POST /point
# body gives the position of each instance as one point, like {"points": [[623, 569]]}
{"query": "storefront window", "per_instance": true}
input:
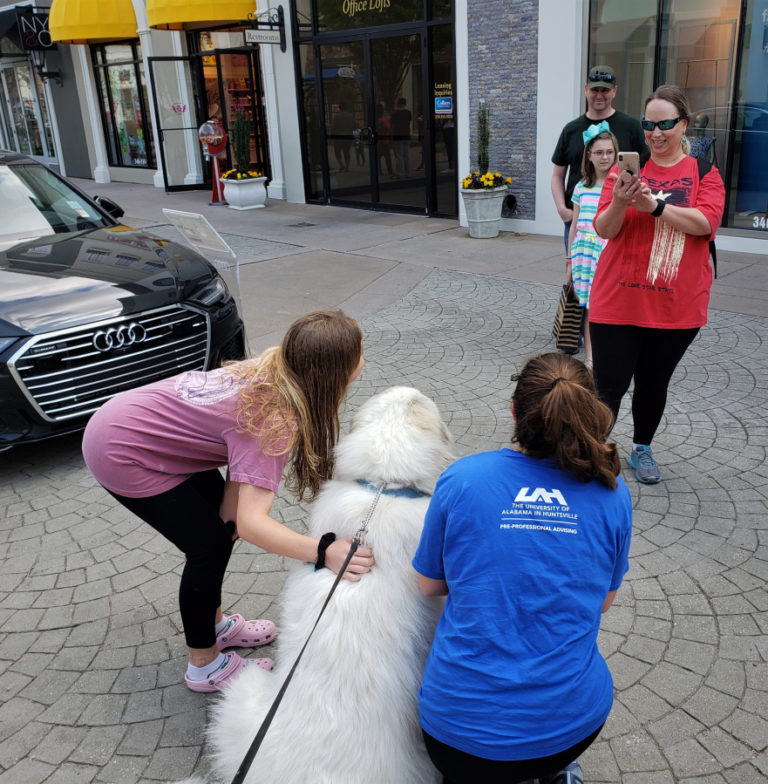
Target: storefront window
{"points": [[698, 50], [25, 115], [123, 98], [441, 9], [623, 35], [749, 197]]}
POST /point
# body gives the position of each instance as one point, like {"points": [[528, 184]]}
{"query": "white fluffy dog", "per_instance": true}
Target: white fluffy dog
{"points": [[349, 716]]}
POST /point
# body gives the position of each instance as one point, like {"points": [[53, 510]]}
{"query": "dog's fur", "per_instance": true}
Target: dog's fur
{"points": [[349, 716]]}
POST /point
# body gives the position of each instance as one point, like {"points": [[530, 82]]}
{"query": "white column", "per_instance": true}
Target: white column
{"points": [[101, 172], [194, 175], [277, 184], [277, 187], [145, 38]]}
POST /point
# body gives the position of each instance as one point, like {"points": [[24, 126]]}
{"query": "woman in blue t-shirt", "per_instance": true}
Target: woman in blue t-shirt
{"points": [[530, 547]]}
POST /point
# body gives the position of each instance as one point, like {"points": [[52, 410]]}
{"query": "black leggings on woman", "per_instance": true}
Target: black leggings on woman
{"points": [[458, 767], [188, 516], [622, 352]]}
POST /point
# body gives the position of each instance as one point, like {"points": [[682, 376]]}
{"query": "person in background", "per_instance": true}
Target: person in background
{"points": [[401, 133], [342, 130], [530, 547], [600, 150], [383, 140], [651, 289], [158, 449], [600, 92]]}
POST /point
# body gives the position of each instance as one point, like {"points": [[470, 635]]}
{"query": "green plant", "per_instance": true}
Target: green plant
{"points": [[483, 135], [483, 178], [241, 142]]}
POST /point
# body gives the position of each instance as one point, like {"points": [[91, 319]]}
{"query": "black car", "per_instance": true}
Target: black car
{"points": [[90, 307]]}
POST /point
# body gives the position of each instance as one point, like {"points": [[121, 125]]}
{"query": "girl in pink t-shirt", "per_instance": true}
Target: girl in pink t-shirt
{"points": [[158, 449]]}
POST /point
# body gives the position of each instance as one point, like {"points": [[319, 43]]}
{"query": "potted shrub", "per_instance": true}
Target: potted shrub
{"points": [[483, 194], [244, 188]]}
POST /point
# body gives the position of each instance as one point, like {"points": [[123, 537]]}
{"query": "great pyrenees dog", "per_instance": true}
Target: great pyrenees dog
{"points": [[349, 716]]}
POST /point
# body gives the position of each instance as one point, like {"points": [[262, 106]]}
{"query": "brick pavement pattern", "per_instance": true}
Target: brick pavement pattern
{"points": [[91, 654]]}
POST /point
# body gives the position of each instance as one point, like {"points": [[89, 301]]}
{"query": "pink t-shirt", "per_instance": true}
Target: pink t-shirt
{"points": [[149, 440]]}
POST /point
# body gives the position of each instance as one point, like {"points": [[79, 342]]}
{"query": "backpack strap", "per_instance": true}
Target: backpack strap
{"points": [[705, 167]]}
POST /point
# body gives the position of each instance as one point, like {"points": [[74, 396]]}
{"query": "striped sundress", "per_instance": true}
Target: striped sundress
{"points": [[587, 246]]}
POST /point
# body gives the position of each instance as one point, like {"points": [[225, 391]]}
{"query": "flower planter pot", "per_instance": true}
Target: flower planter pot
{"points": [[483, 207], [247, 194]]}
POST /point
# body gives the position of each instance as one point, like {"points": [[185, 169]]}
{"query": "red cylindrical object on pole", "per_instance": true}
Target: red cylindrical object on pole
{"points": [[217, 196]]}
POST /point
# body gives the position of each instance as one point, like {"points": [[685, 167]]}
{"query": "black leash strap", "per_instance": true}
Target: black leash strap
{"points": [[358, 539], [245, 765]]}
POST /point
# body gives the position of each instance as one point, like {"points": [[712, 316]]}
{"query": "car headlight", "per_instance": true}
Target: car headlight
{"points": [[215, 291]]}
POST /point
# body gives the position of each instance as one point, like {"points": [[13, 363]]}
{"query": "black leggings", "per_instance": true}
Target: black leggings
{"points": [[458, 767], [622, 352], [188, 516]]}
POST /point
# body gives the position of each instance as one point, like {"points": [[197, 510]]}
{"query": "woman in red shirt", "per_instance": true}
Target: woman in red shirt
{"points": [[650, 294]]}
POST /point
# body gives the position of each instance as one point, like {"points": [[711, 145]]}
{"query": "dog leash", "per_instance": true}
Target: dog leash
{"points": [[357, 540]]}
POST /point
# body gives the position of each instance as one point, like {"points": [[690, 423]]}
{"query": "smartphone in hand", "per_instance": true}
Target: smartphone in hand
{"points": [[629, 162]]}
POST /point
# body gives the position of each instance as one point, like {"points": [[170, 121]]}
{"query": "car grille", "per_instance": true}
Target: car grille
{"points": [[70, 373]]}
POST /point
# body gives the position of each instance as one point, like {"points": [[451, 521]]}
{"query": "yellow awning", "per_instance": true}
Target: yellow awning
{"points": [[179, 14], [91, 21]]}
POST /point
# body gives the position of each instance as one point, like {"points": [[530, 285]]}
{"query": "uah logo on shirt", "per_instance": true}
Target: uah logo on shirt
{"points": [[538, 495]]}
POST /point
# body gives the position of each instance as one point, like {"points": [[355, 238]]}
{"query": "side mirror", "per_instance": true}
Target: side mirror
{"points": [[115, 210]]}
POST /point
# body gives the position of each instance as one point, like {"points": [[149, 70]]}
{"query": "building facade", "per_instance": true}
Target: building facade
{"points": [[373, 103]]}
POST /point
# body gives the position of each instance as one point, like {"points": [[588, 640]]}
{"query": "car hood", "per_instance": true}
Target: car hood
{"points": [[65, 280]]}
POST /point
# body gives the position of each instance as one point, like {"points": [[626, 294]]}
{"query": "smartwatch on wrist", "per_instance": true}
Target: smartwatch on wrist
{"points": [[660, 205]]}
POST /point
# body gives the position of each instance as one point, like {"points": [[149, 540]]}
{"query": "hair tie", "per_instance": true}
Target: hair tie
{"points": [[595, 130], [555, 382]]}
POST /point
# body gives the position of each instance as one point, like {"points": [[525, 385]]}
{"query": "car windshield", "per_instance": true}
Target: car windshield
{"points": [[35, 203]]}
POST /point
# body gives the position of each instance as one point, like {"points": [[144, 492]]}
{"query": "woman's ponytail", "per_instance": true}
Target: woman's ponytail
{"points": [[558, 415]]}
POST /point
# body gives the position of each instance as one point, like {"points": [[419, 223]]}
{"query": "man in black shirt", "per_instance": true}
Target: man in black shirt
{"points": [[600, 91]]}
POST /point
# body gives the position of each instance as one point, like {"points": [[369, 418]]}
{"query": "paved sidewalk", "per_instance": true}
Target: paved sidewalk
{"points": [[91, 655]]}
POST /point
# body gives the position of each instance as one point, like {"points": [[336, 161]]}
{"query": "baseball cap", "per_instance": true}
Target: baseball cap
{"points": [[601, 76]]}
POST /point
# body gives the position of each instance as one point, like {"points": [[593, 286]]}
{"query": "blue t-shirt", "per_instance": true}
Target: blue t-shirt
{"points": [[529, 554]]}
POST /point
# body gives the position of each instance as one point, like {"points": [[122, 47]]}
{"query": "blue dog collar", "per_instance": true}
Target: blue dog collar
{"points": [[398, 492]]}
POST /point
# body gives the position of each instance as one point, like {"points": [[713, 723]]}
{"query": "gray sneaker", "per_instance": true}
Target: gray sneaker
{"points": [[646, 470], [570, 774]]}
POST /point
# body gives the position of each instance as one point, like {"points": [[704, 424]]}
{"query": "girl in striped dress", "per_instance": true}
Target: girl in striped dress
{"points": [[600, 150]]}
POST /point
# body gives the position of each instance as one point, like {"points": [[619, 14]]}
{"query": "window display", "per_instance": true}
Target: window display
{"points": [[122, 95]]}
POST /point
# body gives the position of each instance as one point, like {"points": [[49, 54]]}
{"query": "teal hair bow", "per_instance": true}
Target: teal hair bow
{"points": [[594, 130]]}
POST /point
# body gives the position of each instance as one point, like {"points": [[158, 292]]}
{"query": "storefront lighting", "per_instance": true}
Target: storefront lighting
{"points": [[38, 61]]}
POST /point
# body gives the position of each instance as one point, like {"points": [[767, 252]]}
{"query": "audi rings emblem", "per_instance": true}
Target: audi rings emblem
{"points": [[120, 337]]}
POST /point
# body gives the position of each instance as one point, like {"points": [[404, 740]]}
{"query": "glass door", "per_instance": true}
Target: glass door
{"points": [[346, 99], [190, 90], [176, 87], [373, 122], [398, 97]]}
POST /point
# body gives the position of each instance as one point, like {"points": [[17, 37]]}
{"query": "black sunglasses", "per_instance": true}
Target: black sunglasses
{"points": [[663, 125], [599, 76]]}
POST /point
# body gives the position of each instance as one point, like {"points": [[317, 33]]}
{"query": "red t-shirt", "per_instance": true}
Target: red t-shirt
{"points": [[651, 274]]}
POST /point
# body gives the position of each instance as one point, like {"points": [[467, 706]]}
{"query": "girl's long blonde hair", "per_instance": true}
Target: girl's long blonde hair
{"points": [[290, 396]]}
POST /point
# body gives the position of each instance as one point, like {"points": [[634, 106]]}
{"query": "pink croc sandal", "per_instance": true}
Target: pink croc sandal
{"points": [[233, 665], [246, 634]]}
